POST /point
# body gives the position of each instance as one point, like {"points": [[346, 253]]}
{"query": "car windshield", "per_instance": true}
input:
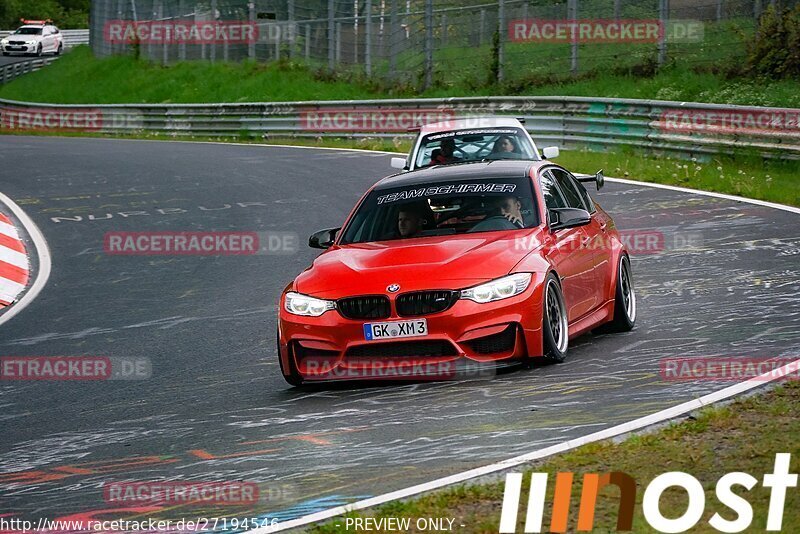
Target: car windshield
{"points": [[474, 144], [443, 208], [28, 31]]}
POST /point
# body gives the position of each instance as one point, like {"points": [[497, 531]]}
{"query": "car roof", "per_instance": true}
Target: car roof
{"points": [[469, 122], [461, 171], [38, 26]]}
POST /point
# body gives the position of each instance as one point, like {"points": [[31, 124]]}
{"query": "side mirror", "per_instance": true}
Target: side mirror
{"points": [[598, 179], [323, 239], [550, 152], [568, 218], [399, 163]]}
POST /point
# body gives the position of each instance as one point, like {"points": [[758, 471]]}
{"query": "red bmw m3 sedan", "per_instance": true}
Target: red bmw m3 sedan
{"points": [[452, 268]]}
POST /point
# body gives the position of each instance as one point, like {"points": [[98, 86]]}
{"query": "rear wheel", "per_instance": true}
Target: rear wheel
{"points": [[624, 299], [555, 328]]}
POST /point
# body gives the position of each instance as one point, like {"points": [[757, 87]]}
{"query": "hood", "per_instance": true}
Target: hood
{"points": [[442, 262]]}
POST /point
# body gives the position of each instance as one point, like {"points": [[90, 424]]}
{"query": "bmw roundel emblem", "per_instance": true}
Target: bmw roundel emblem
{"points": [[394, 288]]}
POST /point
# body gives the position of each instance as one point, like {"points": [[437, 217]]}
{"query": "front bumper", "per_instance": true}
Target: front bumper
{"points": [[466, 339], [19, 49]]}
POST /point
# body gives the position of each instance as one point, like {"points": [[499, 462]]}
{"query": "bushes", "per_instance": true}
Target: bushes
{"points": [[775, 50]]}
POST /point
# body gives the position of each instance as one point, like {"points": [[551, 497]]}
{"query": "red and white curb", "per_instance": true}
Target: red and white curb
{"points": [[14, 264], [15, 267]]}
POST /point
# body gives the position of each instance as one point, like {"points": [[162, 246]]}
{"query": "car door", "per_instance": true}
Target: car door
{"points": [[597, 245], [568, 252], [47, 39]]}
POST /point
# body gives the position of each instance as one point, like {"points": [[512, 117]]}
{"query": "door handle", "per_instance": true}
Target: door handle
{"points": [[603, 225]]}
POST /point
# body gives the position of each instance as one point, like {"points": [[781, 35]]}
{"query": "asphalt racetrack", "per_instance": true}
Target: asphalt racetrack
{"points": [[724, 283]]}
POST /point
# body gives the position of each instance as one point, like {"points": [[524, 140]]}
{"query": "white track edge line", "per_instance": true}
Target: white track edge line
{"points": [[636, 424], [44, 260]]}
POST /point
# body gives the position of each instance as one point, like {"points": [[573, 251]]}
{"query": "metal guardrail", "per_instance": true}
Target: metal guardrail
{"points": [[13, 70], [71, 37], [680, 128]]}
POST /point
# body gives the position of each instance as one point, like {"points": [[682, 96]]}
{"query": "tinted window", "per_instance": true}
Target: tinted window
{"points": [[584, 194], [443, 208], [551, 194], [570, 190]]}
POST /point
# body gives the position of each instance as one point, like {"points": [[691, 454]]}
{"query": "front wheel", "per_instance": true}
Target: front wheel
{"points": [[39, 51], [59, 49], [555, 328]]}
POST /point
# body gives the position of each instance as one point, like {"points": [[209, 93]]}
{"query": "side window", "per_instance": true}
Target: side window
{"points": [[584, 194], [552, 196], [570, 190]]}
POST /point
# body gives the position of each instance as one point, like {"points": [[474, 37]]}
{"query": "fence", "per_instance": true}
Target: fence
{"points": [[683, 129], [425, 42], [71, 37]]}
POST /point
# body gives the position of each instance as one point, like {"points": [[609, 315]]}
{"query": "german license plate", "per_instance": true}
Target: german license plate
{"points": [[395, 329]]}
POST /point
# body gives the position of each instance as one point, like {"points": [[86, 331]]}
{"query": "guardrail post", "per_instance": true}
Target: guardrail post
{"points": [[428, 43], [331, 36], [368, 38], [617, 9]]}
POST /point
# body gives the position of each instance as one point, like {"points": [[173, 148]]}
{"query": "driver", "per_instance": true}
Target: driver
{"points": [[511, 208], [445, 153], [410, 221]]}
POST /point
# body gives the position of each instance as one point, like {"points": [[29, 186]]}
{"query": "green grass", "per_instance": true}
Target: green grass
{"points": [[743, 436], [79, 78]]}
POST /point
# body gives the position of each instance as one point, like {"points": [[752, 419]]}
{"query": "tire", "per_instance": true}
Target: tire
{"points": [[6, 54], [555, 327], [291, 375], [624, 299], [39, 51], [59, 49]]}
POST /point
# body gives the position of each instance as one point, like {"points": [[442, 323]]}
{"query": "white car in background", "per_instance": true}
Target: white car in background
{"points": [[471, 139], [34, 37]]}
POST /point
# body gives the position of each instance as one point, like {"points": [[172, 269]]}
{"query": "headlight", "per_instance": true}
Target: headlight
{"points": [[304, 305], [499, 289], [30, 42]]}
